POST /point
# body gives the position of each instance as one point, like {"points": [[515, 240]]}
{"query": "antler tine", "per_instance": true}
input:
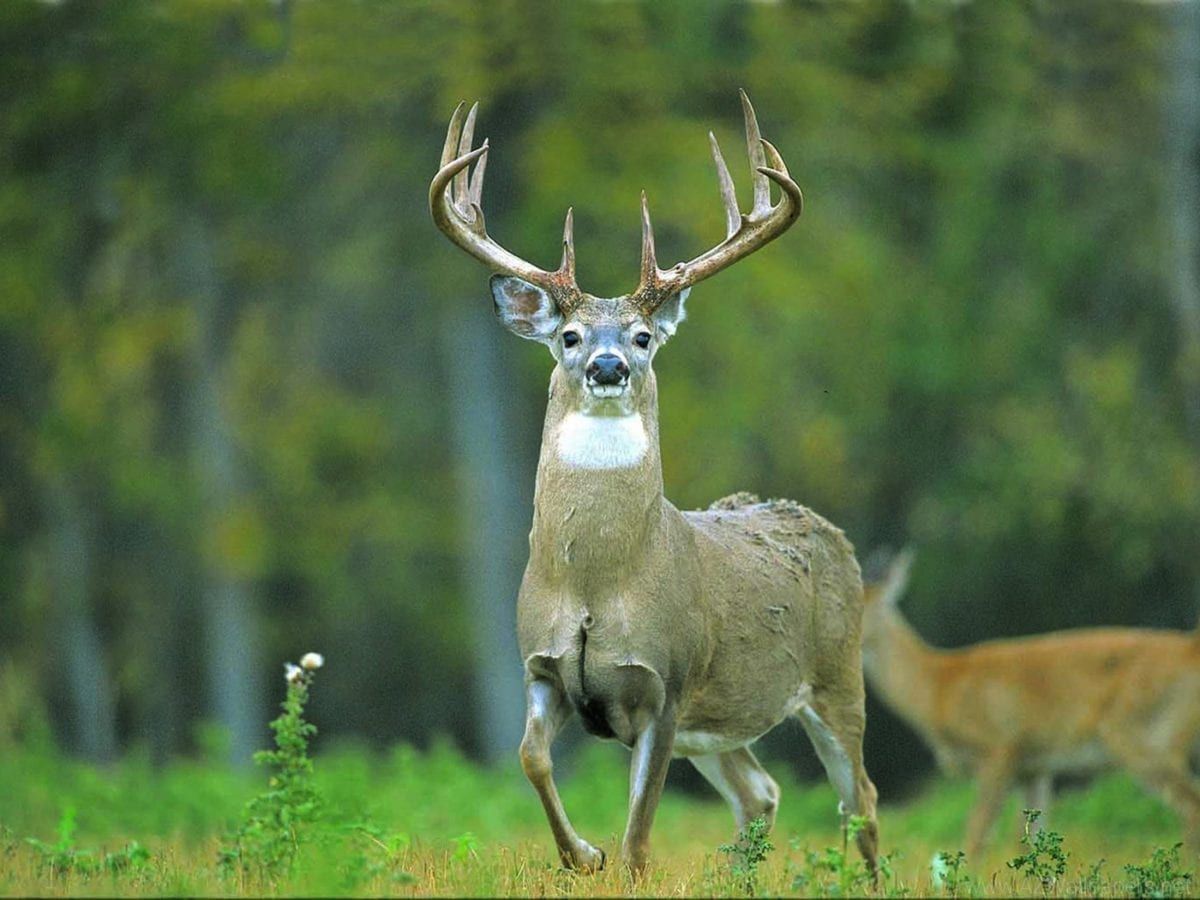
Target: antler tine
{"points": [[461, 196], [733, 218], [744, 233], [778, 172], [475, 194], [451, 146], [762, 190], [454, 202], [567, 267], [649, 262]]}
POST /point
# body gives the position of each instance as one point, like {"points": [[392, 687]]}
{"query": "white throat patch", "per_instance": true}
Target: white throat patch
{"points": [[601, 442]]}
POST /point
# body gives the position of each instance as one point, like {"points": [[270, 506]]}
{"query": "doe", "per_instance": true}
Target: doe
{"points": [[1026, 710]]}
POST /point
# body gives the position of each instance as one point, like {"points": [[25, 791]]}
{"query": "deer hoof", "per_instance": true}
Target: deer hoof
{"points": [[587, 858]]}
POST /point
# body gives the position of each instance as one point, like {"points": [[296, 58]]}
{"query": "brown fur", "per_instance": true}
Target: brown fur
{"points": [[723, 621], [1023, 710], [688, 633]]}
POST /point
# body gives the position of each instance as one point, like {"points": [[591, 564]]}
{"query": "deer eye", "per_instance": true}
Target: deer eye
{"points": [[642, 339], [570, 338]]}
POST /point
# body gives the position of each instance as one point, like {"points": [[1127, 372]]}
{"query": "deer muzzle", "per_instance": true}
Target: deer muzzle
{"points": [[607, 374]]}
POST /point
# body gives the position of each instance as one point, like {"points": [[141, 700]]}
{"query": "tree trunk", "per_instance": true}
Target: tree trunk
{"points": [[229, 632], [495, 492], [1183, 187], [92, 711]]}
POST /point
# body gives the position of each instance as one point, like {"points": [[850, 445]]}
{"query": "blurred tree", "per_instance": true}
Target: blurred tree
{"points": [[283, 420]]}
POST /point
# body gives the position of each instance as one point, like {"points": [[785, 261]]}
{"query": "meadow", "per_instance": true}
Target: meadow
{"points": [[349, 821]]}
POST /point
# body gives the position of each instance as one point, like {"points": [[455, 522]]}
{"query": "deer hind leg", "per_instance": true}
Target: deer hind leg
{"points": [[836, 733], [994, 777], [1165, 773], [546, 710], [743, 782]]}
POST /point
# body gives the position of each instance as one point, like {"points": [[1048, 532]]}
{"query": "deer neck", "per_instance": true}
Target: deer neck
{"points": [[903, 668], [598, 501]]}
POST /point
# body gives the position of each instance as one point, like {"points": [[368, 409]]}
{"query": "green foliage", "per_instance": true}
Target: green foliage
{"points": [[747, 853], [64, 858], [833, 872], [1161, 876], [950, 875], [1044, 859], [466, 847], [1092, 881], [969, 340], [277, 822], [383, 859]]}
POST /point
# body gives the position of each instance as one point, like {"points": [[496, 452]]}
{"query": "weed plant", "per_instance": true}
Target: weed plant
{"points": [[747, 853], [832, 872], [1161, 876], [268, 839], [1044, 859], [949, 874]]}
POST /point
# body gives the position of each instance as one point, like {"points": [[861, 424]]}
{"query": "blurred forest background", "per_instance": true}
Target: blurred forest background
{"points": [[252, 403]]}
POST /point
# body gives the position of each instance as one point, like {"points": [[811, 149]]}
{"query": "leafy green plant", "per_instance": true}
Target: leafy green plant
{"points": [[1044, 859], [130, 858], [277, 821], [466, 846], [1093, 882], [830, 872], [747, 853], [948, 872], [889, 883], [63, 857], [1161, 876]]}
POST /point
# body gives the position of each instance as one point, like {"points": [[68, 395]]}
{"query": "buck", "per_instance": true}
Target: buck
{"points": [[676, 633], [1024, 710]]}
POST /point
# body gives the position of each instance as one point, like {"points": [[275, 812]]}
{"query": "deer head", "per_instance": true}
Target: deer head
{"points": [[603, 346]]}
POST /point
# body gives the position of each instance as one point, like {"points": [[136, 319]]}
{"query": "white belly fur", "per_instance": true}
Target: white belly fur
{"points": [[601, 442], [703, 743]]}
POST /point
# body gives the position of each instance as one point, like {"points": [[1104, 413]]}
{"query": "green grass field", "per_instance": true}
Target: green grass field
{"points": [[410, 823]]}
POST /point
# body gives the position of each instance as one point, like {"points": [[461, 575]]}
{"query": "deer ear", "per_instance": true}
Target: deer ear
{"points": [[525, 309], [896, 579], [668, 316]]}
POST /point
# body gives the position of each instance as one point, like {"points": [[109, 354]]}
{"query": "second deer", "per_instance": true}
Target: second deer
{"points": [[1020, 711]]}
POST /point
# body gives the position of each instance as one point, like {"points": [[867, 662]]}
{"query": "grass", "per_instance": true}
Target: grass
{"points": [[417, 823], [433, 823]]}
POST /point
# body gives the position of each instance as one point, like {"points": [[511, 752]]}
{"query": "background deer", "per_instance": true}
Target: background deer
{"points": [[676, 633], [1023, 710]]}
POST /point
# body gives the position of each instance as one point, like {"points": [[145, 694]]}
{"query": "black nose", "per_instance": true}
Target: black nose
{"points": [[607, 368]]}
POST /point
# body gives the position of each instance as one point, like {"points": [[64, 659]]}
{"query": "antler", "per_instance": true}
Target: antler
{"points": [[743, 233], [454, 197]]}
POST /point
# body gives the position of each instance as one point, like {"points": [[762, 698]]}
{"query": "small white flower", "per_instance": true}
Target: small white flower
{"points": [[312, 661], [292, 672]]}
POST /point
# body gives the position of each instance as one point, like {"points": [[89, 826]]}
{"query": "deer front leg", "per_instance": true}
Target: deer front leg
{"points": [[993, 777], [647, 774], [546, 710]]}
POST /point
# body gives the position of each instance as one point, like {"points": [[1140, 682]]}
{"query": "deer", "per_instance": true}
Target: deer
{"points": [[678, 634], [1022, 711]]}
